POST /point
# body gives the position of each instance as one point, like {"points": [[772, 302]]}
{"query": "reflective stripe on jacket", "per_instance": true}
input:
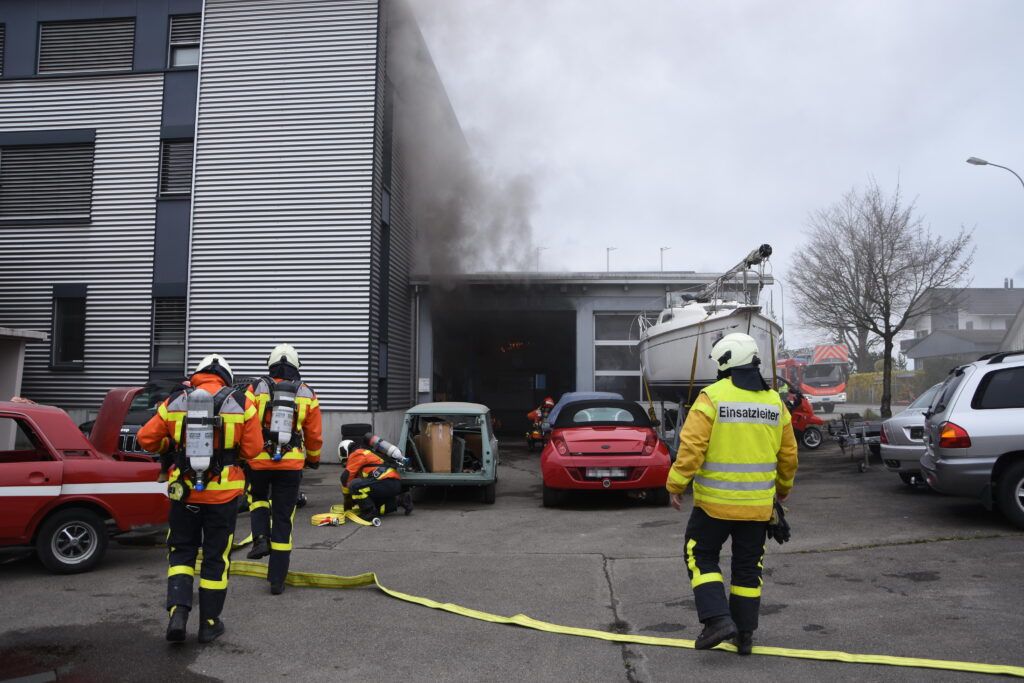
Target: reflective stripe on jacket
{"points": [[307, 421], [738, 449], [240, 430]]}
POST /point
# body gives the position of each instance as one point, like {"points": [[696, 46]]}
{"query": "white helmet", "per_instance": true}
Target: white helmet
{"points": [[286, 353], [733, 350], [215, 364]]}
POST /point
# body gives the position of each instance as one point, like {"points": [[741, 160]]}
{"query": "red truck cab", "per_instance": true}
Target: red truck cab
{"points": [[62, 493]]}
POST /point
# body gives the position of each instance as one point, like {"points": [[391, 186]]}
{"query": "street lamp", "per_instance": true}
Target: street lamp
{"points": [[975, 161], [663, 250], [539, 249], [608, 258]]}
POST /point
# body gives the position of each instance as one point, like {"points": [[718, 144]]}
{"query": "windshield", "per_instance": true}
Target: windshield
{"points": [[834, 372], [923, 401]]}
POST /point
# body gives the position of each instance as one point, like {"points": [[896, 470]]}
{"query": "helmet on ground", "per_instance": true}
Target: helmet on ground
{"points": [[734, 350], [216, 365], [285, 353], [549, 402]]}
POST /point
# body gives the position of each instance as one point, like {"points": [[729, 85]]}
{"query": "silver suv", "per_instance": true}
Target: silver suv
{"points": [[974, 434]]}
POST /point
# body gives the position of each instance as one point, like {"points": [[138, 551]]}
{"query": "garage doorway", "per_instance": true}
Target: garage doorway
{"points": [[507, 360]]}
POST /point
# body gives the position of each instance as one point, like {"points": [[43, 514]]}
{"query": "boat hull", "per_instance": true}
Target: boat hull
{"points": [[667, 352]]}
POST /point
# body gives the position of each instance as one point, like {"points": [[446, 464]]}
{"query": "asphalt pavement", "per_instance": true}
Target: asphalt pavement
{"points": [[873, 567]]}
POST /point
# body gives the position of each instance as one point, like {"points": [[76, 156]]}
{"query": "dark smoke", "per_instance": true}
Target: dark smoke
{"points": [[468, 219]]}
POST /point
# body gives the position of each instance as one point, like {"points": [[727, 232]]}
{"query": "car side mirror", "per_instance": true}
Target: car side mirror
{"points": [[655, 423]]}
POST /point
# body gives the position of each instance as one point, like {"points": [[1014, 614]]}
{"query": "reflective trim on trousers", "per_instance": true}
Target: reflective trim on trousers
{"points": [[222, 583], [698, 578]]}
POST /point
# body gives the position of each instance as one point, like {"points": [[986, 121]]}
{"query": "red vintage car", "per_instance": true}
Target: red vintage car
{"points": [[60, 492], [604, 445]]}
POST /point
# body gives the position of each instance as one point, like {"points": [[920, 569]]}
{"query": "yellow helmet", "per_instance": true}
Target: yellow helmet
{"points": [[286, 353]]}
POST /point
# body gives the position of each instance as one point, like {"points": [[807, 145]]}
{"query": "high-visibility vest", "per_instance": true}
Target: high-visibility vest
{"points": [[739, 466]]}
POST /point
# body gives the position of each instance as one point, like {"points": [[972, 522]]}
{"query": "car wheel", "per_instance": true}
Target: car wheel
{"points": [[657, 497], [490, 491], [71, 541], [1011, 493], [554, 497], [811, 438]]}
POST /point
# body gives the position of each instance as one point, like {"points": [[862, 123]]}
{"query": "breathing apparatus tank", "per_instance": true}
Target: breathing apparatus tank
{"points": [[385, 448], [199, 428], [282, 415]]}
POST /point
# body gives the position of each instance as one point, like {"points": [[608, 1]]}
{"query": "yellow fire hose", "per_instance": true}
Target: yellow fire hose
{"points": [[259, 570]]}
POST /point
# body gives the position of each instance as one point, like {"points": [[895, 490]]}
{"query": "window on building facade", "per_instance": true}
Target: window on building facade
{"points": [[183, 44], [86, 46], [46, 182], [3, 31], [68, 332], [616, 357], [176, 166], [169, 332]]}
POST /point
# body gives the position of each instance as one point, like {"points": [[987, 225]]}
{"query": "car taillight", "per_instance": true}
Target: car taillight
{"points": [[560, 445], [649, 443], [882, 437], [953, 436]]}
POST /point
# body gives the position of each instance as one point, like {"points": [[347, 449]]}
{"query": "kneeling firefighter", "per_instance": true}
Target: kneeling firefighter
{"points": [[738, 448], [371, 481], [203, 428], [289, 412]]}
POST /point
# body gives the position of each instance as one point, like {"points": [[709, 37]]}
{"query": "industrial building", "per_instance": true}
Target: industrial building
{"points": [[181, 177]]}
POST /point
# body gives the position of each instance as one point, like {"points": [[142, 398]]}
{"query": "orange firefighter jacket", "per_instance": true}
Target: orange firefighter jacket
{"points": [[362, 464], [241, 430], [307, 420]]}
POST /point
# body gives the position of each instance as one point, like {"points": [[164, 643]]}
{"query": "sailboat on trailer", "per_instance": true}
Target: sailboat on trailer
{"points": [[675, 350]]}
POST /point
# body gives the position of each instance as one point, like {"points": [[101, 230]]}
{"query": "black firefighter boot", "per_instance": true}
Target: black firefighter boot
{"points": [[744, 642], [177, 623], [716, 630], [210, 629], [260, 548]]}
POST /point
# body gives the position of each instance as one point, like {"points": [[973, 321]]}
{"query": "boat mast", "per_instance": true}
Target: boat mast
{"points": [[754, 258]]}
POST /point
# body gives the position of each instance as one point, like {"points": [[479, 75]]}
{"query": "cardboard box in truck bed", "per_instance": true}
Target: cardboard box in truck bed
{"points": [[435, 446]]}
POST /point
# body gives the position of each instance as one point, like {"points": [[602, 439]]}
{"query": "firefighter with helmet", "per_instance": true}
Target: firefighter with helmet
{"points": [[205, 428], [369, 481], [541, 412], [289, 413], [738, 449]]}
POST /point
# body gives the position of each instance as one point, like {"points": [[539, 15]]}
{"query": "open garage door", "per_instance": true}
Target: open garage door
{"points": [[507, 360]]}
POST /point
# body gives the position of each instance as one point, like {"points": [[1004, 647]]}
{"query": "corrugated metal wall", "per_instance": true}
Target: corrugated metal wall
{"points": [[113, 254], [400, 316], [283, 196]]}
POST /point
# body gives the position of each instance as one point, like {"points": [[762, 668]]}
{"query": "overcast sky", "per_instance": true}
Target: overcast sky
{"points": [[711, 127]]}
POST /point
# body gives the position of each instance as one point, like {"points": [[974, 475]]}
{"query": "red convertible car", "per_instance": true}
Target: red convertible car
{"points": [[604, 445]]}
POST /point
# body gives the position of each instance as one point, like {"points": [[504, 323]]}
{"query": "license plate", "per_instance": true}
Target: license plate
{"points": [[607, 472]]}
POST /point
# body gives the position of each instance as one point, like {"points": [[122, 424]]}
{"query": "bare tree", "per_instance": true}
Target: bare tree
{"points": [[868, 266]]}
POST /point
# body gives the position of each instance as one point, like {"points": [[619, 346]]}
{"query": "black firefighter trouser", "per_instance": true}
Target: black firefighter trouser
{"points": [[375, 496], [194, 525], [705, 536], [274, 495]]}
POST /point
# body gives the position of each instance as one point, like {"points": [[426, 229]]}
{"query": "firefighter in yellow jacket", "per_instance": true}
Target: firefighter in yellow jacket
{"points": [[738, 450], [292, 432], [203, 429]]}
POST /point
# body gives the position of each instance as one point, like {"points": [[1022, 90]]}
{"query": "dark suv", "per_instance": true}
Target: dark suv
{"points": [[974, 434]]}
